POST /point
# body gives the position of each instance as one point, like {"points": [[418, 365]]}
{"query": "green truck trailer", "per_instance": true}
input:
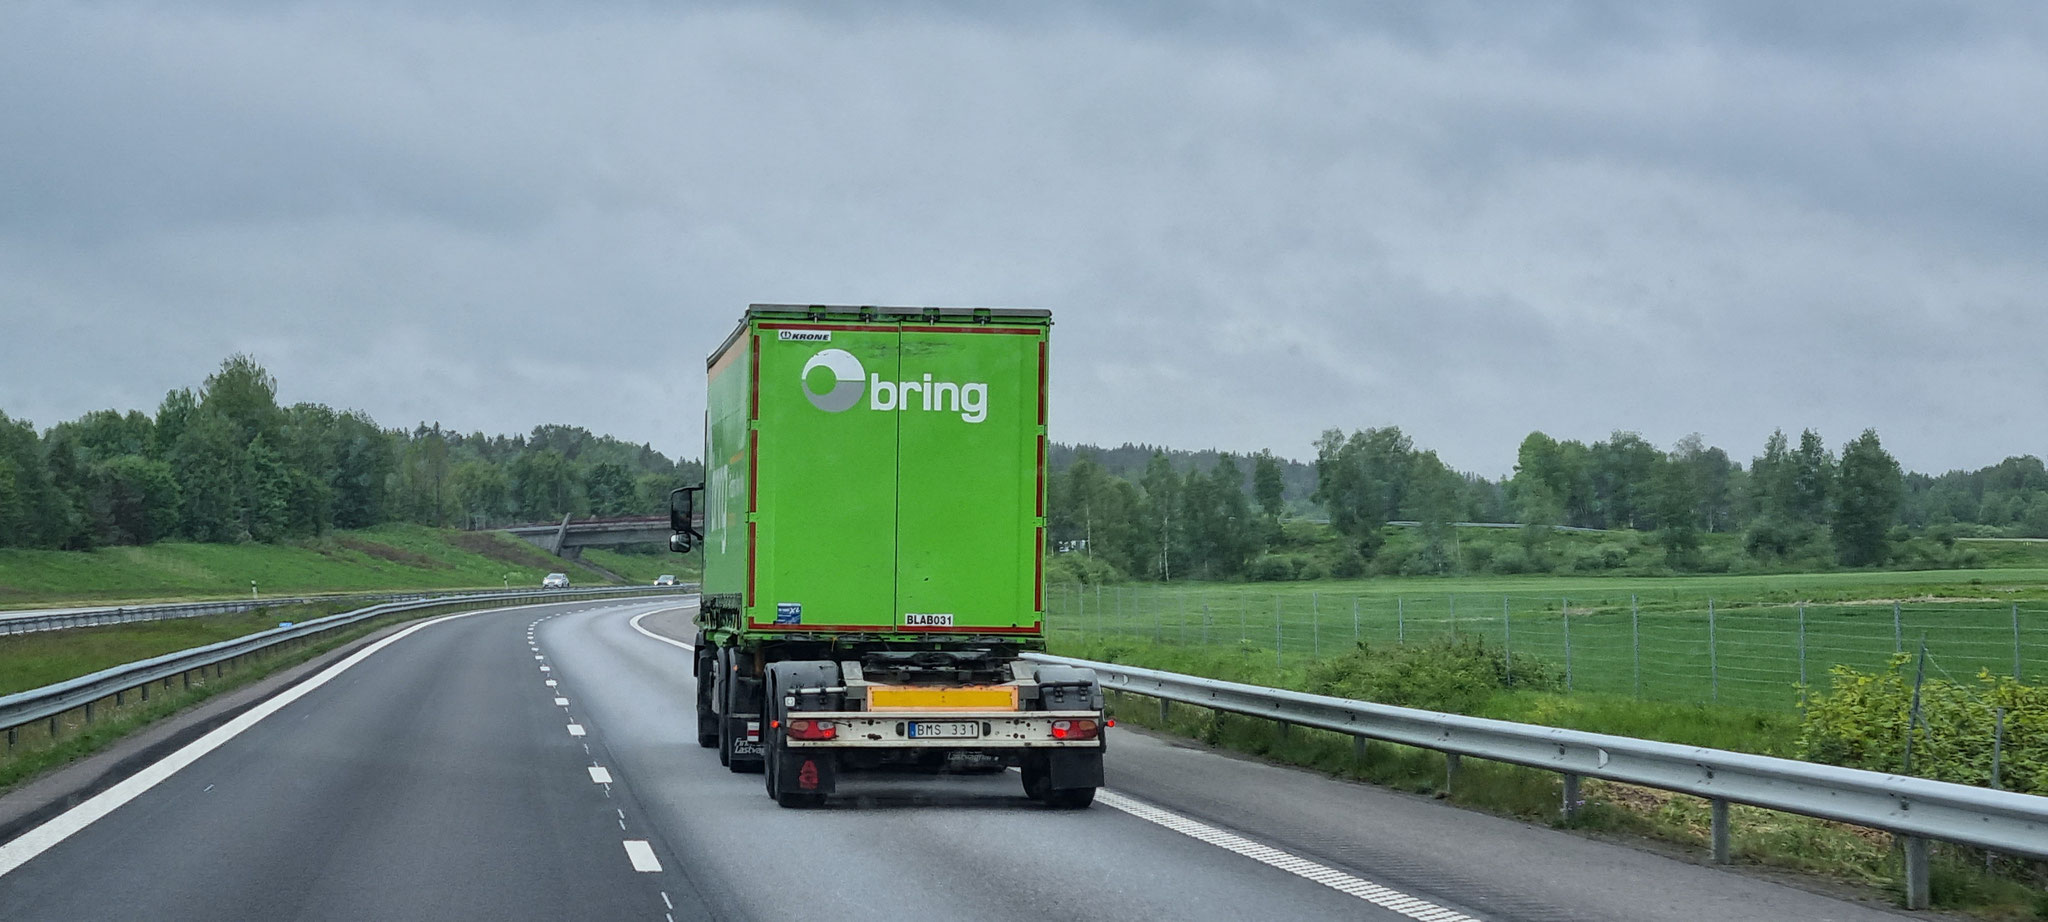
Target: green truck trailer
{"points": [[873, 536]]}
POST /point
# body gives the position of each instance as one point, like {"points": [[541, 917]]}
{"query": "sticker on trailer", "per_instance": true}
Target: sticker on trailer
{"points": [[928, 620], [789, 613], [804, 336]]}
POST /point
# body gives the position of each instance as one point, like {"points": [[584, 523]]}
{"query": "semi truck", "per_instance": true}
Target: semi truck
{"points": [[873, 532]]}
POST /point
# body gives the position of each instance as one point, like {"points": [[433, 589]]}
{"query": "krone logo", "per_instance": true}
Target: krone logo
{"points": [[847, 379]]}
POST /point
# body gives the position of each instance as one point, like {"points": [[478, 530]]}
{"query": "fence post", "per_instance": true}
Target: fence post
{"points": [[1913, 718], [1119, 607], [1205, 623], [1279, 636], [1898, 640], [1997, 746], [1802, 651], [1507, 645], [1454, 617], [1713, 654], [1635, 635], [1354, 621], [1400, 622], [1565, 605], [1315, 625], [1242, 604], [2015, 641]]}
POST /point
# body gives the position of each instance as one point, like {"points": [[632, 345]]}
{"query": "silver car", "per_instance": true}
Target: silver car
{"points": [[555, 581]]}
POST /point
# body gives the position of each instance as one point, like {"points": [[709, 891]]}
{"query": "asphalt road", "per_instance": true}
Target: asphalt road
{"points": [[441, 777]]}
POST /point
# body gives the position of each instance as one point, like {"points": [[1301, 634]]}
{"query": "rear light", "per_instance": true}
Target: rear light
{"points": [[812, 730], [1076, 730]]}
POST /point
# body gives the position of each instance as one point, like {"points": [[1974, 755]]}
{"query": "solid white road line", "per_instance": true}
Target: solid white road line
{"points": [[1383, 897], [635, 622], [642, 856], [67, 824], [600, 775]]}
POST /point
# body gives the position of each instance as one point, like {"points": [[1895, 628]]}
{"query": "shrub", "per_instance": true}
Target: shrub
{"points": [[1861, 721], [1272, 568], [1348, 565], [1512, 560], [1079, 568], [1444, 674]]}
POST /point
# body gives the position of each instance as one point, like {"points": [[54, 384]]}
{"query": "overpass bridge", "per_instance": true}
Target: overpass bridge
{"points": [[569, 537]]}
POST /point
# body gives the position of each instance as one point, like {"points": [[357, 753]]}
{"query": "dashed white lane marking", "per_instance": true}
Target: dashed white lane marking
{"points": [[67, 824], [600, 775], [642, 856], [1383, 897], [561, 702], [551, 683], [575, 729], [547, 669], [538, 656], [664, 900]]}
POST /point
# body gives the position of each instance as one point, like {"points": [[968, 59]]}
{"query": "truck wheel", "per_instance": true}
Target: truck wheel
{"points": [[707, 721]]}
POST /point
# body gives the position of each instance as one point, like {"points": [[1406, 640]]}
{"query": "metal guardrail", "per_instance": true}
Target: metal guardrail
{"points": [[1915, 809], [29, 622], [46, 703]]}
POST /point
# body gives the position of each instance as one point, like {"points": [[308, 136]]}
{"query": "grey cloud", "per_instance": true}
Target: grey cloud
{"points": [[1252, 221]]}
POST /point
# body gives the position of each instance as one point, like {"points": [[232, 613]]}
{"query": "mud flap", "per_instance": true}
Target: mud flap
{"points": [[806, 770], [1074, 768]]}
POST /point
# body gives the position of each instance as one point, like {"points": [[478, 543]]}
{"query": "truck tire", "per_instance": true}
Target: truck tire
{"points": [[707, 720]]}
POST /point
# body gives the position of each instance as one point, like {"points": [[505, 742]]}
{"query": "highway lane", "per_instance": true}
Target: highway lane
{"points": [[438, 779], [435, 779]]}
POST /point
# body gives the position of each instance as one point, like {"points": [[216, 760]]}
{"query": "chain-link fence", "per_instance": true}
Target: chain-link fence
{"points": [[1663, 647]]}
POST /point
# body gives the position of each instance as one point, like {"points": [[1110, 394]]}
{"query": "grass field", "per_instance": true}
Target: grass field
{"points": [[387, 557], [35, 660], [1745, 641]]}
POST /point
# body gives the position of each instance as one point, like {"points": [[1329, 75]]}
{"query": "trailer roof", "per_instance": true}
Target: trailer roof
{"points": [[831, 312]]}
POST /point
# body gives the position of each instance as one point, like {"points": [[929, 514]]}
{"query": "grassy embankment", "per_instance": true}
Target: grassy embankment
{"points": [[388, 557]]}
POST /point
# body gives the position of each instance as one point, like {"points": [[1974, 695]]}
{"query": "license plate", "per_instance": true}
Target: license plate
{"points": [[945, 730]]}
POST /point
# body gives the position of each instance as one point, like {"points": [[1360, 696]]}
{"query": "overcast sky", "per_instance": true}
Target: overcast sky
{"points": [[1251, 221]]}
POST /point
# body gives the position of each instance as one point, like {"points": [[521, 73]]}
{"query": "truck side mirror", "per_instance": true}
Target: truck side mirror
{"points": [[682, 514]]}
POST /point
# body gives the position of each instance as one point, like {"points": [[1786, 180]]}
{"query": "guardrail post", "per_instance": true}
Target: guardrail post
{"points": [[1358, 746], [1165, 707], [88, 712], [1572, 799], [1452, 763], [1916, 871], [1720, 830], [11, 731]]}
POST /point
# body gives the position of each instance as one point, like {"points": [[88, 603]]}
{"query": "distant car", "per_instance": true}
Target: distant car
{"points": [[555, 581], [666, 579]]}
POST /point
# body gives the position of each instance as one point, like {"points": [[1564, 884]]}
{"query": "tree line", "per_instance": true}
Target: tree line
{"points": [[225, 463], [1795, 505]]}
